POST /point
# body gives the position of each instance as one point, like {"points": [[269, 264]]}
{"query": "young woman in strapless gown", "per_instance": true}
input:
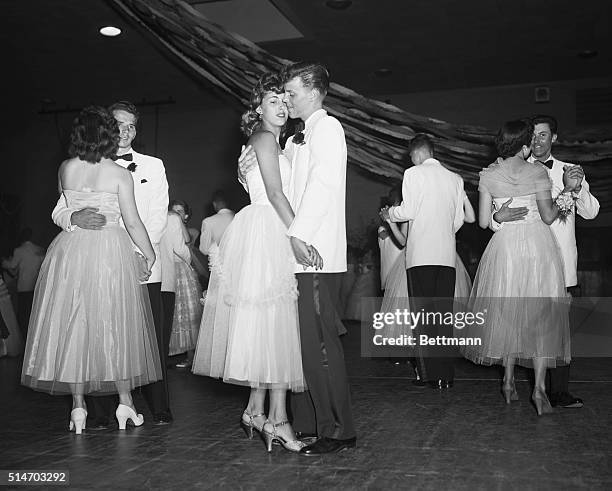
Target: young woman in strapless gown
{"points": [[519, 283], [91, 329], [250, 332]]}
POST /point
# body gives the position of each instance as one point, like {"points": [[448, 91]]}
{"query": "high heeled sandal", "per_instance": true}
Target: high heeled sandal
{"points": [[78, 416], [269, 438], [123, 413], [509, 392], [541, 402], [248, 424]]}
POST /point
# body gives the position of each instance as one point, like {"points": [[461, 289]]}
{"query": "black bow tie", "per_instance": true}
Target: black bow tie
{"points": [[548, 163], [125, 156]]}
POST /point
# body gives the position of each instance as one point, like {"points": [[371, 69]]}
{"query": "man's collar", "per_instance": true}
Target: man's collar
{"points": [[224, 210], [314, 117], [430, 160], [127, 150], [533, 159]]}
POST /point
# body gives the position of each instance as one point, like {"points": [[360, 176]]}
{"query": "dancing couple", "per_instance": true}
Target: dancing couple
{"points": [[256, 330]]}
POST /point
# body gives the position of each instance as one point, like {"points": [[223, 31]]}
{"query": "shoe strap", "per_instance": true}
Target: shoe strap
{"points": [[253, 416]]}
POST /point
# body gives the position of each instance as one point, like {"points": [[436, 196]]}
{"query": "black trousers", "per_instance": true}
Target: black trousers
{"points": [[325, 408], [167, 299], [431, 289], [155, 394], [24, 309], [557, 379]]}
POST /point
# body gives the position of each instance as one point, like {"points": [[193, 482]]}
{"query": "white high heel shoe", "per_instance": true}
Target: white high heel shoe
{"points": [[78, 416], [123, 413]]}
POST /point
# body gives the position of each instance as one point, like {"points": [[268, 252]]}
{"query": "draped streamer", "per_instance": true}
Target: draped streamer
{"points": [[377, 133]]}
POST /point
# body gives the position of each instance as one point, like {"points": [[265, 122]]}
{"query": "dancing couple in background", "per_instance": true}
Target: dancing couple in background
{"points": [[521, 280], [256, 331], [151, 197], [433, 201], [91, 330], [529, 177]]}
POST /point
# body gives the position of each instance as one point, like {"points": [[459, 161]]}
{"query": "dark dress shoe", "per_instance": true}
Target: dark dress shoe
{"points": [[441, 384], [565, 400], [97, 424], [325, 445], [162, 418], [420, 383]]}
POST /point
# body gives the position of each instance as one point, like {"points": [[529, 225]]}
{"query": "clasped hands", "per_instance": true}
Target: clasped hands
{"points": [[384, 214]]}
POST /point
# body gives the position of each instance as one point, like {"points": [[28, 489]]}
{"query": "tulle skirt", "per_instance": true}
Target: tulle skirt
{"points": [[187, 309], [520, 289], [249, 333], [396, 293], [91, 329]]}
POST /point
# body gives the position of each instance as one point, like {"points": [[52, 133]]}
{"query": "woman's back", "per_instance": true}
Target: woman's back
{"points": [[78, 175], [517, 179]]}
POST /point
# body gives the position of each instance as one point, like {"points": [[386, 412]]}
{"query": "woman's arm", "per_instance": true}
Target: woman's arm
{"points": [[468, 210], [485, 202], [185, 232], [266, 149], [131, 219], [548, 210], [399, 231]]}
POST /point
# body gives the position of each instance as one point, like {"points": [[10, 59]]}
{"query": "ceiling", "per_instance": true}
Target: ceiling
{"points": [[53, 51]]}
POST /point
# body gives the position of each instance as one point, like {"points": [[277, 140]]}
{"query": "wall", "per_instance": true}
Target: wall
{"points": [[199, 142]]}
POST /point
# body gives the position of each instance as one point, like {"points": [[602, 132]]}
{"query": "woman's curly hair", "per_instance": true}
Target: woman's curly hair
{"points": [[94, 136], [268, 82], [512, 136]]}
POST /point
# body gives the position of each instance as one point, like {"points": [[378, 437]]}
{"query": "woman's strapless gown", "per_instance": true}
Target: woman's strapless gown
{"points": [[187, 309], [249, 333], [520, 281], [91, 325]]}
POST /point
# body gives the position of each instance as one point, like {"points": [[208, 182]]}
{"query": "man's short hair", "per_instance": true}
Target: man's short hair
{"points": [[421, 140], [545, 118], [313, 75], [126, 106], [219, 196]]}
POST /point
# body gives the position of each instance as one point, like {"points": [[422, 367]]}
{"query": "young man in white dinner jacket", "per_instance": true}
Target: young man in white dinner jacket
{"points": [[432, 204]]}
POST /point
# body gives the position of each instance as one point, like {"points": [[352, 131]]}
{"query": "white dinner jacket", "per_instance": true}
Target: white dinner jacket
{"points": [[432, 203], [151, 196], [317, 190]]}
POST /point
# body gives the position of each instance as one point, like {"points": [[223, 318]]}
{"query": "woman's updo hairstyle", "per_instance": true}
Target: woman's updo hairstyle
{"points": [[268, 82], [94, 136], [512, 136]]}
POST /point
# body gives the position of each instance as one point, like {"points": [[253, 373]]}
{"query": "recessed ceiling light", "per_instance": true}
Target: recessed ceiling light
{"points": [[586, 54], [338, 4], [383, 72], [110, 31]]}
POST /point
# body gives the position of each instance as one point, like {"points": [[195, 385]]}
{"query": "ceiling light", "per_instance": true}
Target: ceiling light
{"points": [[338, 4], [110, 31], [587, 54], [383, 72]]}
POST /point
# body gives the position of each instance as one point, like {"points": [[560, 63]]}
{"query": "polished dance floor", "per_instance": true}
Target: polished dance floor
{"points": [[408, 437]]}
